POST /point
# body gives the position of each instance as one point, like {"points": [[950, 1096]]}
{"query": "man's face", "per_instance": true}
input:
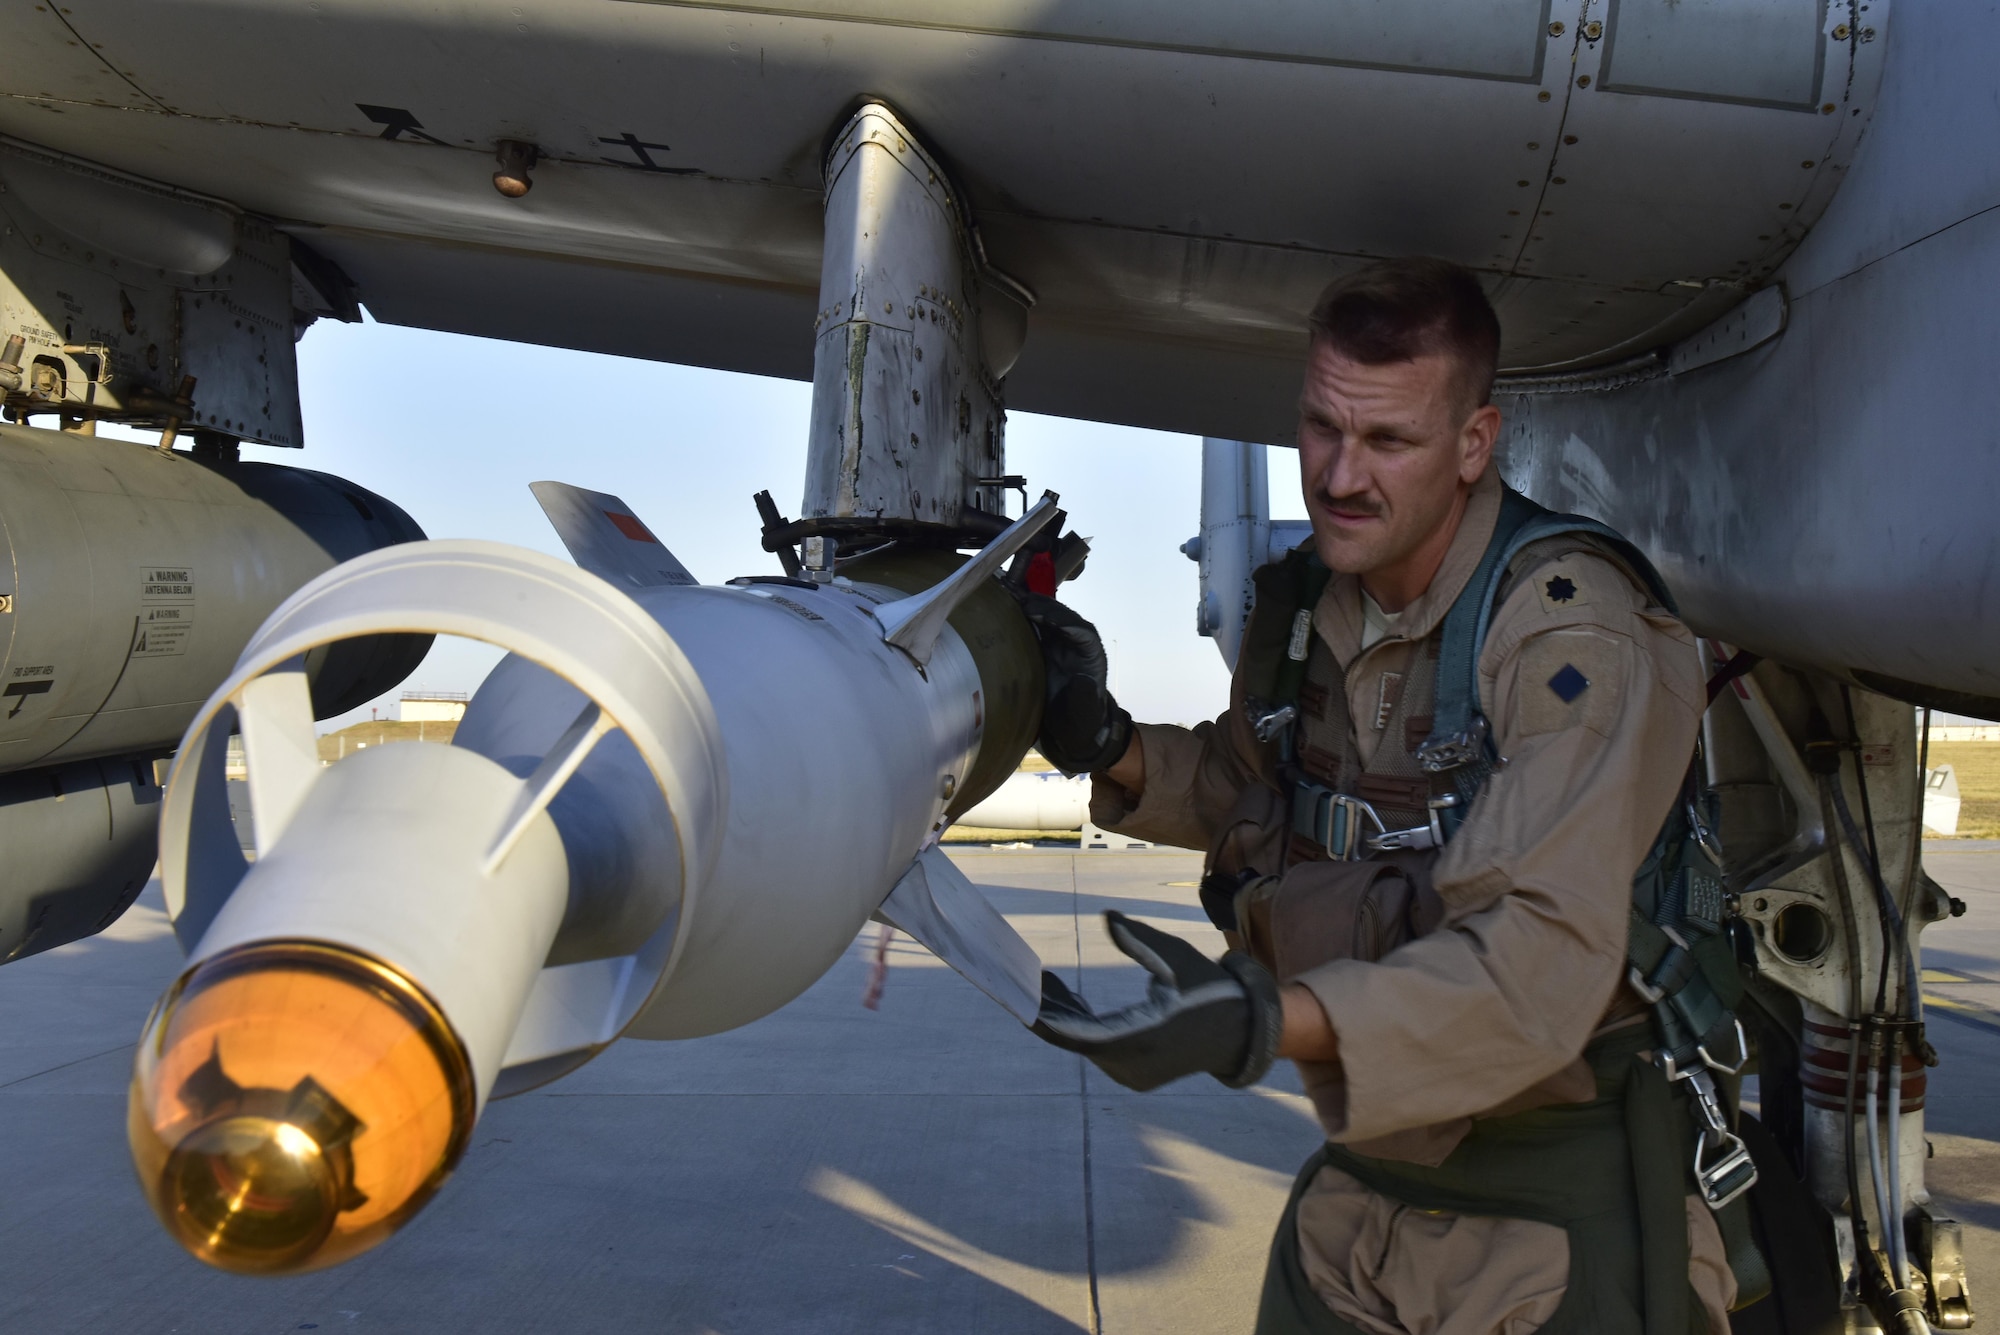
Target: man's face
{"points": [[1385, 454]]}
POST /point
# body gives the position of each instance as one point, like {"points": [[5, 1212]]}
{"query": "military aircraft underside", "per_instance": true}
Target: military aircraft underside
{"points": [[1741, 250]]}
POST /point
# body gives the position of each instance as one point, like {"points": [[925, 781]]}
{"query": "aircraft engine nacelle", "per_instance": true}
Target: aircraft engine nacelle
{"points": [[666, 814], [132, 577]]}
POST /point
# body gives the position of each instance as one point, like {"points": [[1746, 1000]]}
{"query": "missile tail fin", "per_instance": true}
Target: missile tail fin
{"points": [[936, 904], [604, 537]]}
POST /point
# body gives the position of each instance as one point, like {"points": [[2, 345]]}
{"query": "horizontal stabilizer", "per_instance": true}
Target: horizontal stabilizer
{"points": [[606, 538], [936, 904]]}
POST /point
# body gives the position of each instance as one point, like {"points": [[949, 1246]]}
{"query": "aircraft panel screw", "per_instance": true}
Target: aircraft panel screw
{"points": [[1593, 30], [1555, 30], [1840, 32]]}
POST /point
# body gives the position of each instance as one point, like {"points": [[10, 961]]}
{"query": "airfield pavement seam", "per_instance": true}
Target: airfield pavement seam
{"points": [[63, 1066], [1091, 1310]]}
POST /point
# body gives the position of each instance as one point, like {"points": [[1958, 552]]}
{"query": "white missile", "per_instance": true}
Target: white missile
{"points": [[666, 814]]}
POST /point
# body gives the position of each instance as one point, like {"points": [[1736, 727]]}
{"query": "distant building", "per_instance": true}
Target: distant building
{"points": [[432, 706]]}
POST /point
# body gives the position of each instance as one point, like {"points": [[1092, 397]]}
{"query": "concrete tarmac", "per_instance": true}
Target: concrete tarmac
{"points": [[927, 1166]]}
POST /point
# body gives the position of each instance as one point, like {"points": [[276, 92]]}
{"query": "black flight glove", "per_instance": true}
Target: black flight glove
{"points": [[1199, 1015], [1083, 729]]}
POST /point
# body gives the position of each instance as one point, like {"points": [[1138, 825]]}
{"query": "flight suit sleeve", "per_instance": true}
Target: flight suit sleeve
{"points": [[1193, 779], [1595, 699]]}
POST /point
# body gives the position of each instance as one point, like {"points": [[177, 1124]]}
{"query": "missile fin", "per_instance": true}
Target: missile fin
{"points": [[913, 624], [937, 905], [279, 747], [604, 537]]}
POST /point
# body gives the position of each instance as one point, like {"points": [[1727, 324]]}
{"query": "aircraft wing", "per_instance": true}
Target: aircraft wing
{"points": [[1167, 184]]}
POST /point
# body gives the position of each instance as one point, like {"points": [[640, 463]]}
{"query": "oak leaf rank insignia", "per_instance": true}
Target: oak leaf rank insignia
{"points": [[1561, 590]]}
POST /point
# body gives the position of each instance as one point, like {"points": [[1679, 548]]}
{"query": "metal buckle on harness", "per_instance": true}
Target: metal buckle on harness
{"points": [[1335, 822], [1742, 1054], [1439, 754], [1723, 1168], [1429, 835], [1704, 836], [1655, 995], [1340, 816], [1268, 723]]}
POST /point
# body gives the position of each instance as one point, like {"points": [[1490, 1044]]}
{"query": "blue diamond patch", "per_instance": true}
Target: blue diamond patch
{"points": [[1569, 683]]}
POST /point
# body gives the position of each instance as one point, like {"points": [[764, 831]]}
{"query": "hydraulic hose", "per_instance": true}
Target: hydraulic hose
{"points": [[1899, 1252], [1892, 1232], [1844, 897], [1887, 1183]]}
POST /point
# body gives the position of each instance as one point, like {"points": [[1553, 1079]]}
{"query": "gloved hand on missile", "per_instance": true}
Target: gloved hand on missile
{"points": [[1199, 1015], [1083, 729]]}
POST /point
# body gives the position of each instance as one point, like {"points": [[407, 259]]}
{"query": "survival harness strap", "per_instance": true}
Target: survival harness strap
{"points": [[1678, 955]]}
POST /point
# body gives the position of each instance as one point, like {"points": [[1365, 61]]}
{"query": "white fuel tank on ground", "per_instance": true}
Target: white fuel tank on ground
{"points": [[1030, 801]]}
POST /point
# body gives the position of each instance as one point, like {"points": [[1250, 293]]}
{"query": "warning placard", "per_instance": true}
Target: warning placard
{"points": [[165, 584], [163, 632]]}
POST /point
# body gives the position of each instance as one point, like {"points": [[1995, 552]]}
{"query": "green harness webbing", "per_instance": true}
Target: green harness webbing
{"points": [[1310, 579], [1460, 742]]}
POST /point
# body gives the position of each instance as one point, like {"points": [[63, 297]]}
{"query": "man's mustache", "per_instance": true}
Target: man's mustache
{"points": [[1352, 505]]}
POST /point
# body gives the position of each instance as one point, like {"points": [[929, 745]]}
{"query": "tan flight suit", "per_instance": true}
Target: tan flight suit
{"points": [[1488, 1014]]}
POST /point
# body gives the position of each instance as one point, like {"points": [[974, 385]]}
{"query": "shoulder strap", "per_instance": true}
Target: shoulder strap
{"points": [[1275, 592], [1457, 698], [1459, 742], [1309, 580]]}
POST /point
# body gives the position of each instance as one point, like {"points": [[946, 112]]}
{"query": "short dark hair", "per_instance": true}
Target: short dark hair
{"points": [[1401, 309]]}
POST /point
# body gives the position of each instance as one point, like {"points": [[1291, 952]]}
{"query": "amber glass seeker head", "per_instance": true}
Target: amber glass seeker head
{"points": [[293, 1104]]}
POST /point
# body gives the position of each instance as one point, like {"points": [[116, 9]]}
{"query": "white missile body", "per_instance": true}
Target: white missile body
{"points": [[666, 814], [840, 758]]}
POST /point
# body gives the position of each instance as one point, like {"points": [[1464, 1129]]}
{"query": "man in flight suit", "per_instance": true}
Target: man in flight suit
{"points": [[1471, 1054]]}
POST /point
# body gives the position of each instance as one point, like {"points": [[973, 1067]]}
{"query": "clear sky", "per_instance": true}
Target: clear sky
{"points": [[454, 429]]}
